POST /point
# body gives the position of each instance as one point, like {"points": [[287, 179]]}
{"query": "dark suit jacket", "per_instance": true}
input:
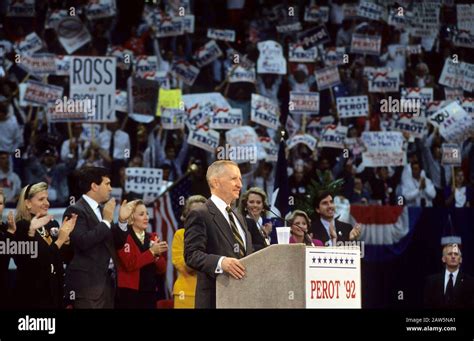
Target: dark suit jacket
{"points": [[463, 292], [207, 238], [39, 280], [319, 232], [258, 240], [94, 244]]}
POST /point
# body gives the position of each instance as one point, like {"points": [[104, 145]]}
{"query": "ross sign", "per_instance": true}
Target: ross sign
{"points": [[296, 53], [227, 120], [333, 137], [327, 77], [352, 106], [143, 180], [314, 36], [366, 44], [383, 149], [264, 111], [270, 59], [226, 35], [305, 139], [207, 54], [172, 118], [72, 34], [451, 154], [40, 93], [304, 102], [333, 277], [204, 138], [185, 71], [94, 78]]}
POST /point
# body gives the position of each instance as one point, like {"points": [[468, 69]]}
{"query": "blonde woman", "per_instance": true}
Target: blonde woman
{"points": [[253, 207], [300, 222], [141, 258], [40, 272], [185, 286]]}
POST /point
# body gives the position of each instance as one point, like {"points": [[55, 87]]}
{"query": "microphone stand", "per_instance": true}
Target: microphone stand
{"points": [[307, 239]]}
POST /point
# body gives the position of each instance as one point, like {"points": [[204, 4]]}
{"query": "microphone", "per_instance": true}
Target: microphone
{"points": [[306, 237]]}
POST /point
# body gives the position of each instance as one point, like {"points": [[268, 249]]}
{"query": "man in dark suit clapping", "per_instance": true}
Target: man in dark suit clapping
{"points": [[326, 228], [216, 235], [451, 289], [89, 279]]}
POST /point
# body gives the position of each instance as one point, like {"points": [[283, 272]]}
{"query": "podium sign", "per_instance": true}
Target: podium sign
{"points": [[333, 277]]}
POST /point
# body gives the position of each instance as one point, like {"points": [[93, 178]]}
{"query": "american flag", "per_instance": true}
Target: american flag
{"points": [[166, 216]]}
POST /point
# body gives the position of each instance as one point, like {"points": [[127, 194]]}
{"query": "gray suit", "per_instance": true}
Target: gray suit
{"points": [[88, 275], [207, 237]]}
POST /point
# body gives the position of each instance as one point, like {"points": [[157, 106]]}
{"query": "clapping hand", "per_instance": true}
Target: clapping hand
{"points": [[38, 222], [109, 208], [126, 210], [355, 232], [11, 223]]}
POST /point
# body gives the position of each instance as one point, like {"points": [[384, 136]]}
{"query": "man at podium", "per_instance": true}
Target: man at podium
{"points": [[216, 235], [328, 229]]}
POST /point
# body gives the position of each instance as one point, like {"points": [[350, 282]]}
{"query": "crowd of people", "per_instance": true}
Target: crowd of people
{"points": [[45, 164]]}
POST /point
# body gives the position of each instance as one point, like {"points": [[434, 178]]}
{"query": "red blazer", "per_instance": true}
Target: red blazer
{"points": [[132, 259]]}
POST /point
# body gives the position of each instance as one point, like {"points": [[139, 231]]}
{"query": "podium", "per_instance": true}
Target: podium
{"points": [[294, 276]]}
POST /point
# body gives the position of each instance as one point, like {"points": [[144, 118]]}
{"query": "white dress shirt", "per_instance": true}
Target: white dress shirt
{"points": [[96, 208], [446, 278], [221, 205]]}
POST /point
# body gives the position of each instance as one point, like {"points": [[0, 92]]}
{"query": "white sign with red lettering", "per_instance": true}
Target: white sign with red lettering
{"points": [[264, 111], [207, 53], [385, 82], [383, 149], [97, 9], [270, 59], [241, 74], [451, 154], [296, 53], [185, 71], [333, 277], [204, 138], [72, 33], [305, 139], [29, 45], [226, 35], [40, 93], [333, 137], [327, 77], [304, 102], [366, 44], [457, 75]]}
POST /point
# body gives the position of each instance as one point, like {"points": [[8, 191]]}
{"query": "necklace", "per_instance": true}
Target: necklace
{"points": [[42, 231]]}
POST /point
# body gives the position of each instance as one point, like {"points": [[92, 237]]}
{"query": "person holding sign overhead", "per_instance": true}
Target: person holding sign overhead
{"points": [[216, 236]]}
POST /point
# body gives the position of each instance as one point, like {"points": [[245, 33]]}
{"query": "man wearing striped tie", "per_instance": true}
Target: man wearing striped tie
{"points": [[216, 235]]}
